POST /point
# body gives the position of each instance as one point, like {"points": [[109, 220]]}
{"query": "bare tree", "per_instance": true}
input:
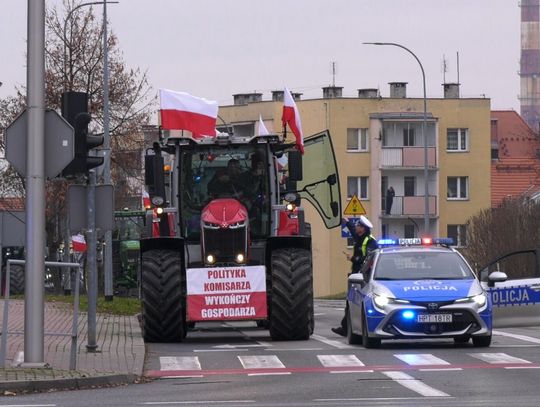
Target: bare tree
{"points": [[494, 232], [74, 61]]}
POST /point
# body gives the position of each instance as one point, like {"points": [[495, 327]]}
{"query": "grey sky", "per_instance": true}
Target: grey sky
{"points": [[214, 48]]}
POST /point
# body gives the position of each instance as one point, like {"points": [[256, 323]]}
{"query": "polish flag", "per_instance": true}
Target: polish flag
{"points": [[292, 118], [182, 111], [282, 161], [79, 243], [263, 131]]}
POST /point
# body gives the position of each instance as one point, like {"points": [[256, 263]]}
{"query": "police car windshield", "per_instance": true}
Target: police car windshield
{"points": [[421, 265]]}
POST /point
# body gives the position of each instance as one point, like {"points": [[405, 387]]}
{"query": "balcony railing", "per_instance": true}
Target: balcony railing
{"points": [[407, 157], [410, 206]]}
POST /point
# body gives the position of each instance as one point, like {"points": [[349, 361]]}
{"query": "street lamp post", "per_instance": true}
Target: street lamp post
{"points": [[424, 132]]}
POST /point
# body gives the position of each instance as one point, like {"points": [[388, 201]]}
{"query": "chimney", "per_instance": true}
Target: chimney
{"points": [[277, 95], [451, 90], [245, 98], [368, 93], [398, 89], [332, 92]]}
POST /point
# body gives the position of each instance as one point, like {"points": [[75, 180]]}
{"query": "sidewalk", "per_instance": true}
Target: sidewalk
{"points": [[119, 358]]}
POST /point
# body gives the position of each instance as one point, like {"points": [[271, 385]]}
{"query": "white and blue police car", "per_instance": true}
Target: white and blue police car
{"points": [[415, 289]]}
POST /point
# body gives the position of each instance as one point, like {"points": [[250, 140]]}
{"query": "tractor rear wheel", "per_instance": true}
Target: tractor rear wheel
{"points": [[291, 308], [16, 279], [163, 297]]}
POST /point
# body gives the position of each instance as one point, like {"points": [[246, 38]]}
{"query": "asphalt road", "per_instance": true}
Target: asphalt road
{"points": [[238, 365]]}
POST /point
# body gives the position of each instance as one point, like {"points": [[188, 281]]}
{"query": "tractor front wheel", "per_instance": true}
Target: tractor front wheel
{"points": [[291, 308], [163, 297]]}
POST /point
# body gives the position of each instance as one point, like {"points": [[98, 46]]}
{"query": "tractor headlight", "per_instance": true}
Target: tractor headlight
{"points": [[240, 258], [290, 207], [210, 259], [159, 211]]}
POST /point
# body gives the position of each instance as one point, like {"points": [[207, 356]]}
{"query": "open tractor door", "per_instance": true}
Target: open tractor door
{"points": [[228, 238]]}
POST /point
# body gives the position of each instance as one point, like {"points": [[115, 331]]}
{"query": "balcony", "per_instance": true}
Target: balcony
{"points": [[410, 157], [410, 206]]}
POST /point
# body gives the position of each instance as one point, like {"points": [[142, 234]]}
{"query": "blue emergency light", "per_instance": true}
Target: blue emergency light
{"points": [[386, 242], [408, 314]]}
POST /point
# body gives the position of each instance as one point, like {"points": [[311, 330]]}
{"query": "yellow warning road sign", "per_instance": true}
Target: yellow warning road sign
{"points": [[354, 207]]}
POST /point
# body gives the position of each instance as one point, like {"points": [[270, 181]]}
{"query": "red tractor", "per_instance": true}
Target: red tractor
{"points": [[228, 237]]}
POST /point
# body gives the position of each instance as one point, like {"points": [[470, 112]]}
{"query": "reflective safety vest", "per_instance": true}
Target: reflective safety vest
{"points": [[365, 243]]}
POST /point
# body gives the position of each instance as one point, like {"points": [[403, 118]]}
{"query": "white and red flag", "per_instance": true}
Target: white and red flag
{"points": [[147, 204], [79, 243], [291, 116], [182, 111], [262, 131]]}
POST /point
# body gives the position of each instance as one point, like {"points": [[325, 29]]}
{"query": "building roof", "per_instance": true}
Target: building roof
{"points": [[12, 204]]}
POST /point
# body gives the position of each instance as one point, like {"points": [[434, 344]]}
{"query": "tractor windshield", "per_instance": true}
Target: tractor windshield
{"points": [[214, 172]]}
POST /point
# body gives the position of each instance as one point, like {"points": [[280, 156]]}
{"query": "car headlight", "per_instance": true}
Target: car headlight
{"points": [[480, 299], [381, 300]]}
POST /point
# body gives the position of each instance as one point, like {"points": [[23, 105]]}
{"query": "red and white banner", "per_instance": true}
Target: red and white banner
{"points": [[182, 111], [291, 116], [146, 203], [79, 243], [226, 293]]}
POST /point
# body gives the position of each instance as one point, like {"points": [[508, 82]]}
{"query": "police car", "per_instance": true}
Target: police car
{"points": [[418, 288]]}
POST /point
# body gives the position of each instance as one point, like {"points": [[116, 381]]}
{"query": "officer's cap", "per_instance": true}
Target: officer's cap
{"points": [[363, 221]]}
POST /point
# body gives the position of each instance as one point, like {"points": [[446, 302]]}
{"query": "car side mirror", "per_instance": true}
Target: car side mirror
{"points": [[496, 277], [356, 278]]}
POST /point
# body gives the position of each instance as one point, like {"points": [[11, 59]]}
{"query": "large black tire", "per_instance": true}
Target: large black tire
{"points": [[16, 279], [291, 298], [163, 297], [481, 341], [367, 342], [352, 338]]}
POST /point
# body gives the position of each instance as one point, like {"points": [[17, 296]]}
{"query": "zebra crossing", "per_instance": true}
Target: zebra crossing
{"points": [[194, 366]]}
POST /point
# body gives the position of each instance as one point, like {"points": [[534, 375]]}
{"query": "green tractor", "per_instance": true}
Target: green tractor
{"points": [[125, 247]]}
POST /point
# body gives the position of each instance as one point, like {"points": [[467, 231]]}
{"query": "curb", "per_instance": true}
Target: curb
{"points": [[75, 383]]}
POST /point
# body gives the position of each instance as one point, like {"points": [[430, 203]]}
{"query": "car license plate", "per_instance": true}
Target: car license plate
{"points": [[427, 318]]}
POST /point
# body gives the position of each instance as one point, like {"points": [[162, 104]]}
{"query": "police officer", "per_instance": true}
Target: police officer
{"points": [[364, 243]]}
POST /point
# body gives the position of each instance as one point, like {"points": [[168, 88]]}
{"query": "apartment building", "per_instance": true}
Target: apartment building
{"points": [[378, 143]]}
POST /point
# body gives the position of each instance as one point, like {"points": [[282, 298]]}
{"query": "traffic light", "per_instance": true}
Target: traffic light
{"points": [[75, 111]]}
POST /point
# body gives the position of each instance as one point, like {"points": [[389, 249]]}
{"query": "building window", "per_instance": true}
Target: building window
{"points": [[458, 233], [494, 153], [357, 140], [409, 186], [457, 140], [357, 186], [458, 188], [408, 137], [409, 231]]}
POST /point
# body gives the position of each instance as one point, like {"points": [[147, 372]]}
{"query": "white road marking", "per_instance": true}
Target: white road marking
{"points": [[179, 363], [350, 371], [28, 405], [219, 350], [339, 361], [292, 349], [414, 359], [331, 342], [415, 385], [496, 358], [247, 345], [516, 336], [375, 399], [523, 367], [203, 402], [261, 362]]}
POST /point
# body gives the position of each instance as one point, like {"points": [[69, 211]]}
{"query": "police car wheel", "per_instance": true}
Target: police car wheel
{"points": [[368, 342], [481, 341], [352, 338], [461, 339]]}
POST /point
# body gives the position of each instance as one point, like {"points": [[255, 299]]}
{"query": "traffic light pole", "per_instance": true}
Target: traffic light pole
{"points": [[107, 257], [35, 189], [91, 263]]}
